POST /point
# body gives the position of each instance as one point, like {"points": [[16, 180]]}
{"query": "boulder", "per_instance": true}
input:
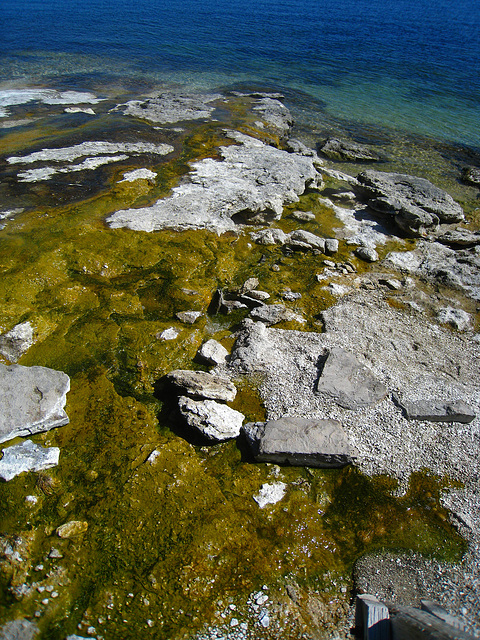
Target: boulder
{"points": [[212, 352], [211, 419], [200, 384], [251, 184], [438, 410], [350, 384], [275, 313], [415, 203], [17, 341], [27, 456], [347, 151], [299, 441], [32, 399]]}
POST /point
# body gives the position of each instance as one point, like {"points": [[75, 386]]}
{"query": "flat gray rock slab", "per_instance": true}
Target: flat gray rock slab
{"points": [[213, 420], [27, 456], [349, 383], [274, 313], [299, 441], [438, 411], [200, 384], [439, 612], [32, 400], [169, 107]]}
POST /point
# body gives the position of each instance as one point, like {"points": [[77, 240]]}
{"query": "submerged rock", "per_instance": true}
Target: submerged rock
{"points": [[349, 383], [347, 151], [270, 493], [17, 341], [299, 441], [251, 184], [211, 419], [27, 456], [200, 384], [32, 399], [72, 529], [416, 204], [20, 629]]}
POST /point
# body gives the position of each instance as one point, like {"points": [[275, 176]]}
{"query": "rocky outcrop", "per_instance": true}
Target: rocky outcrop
{"points": [[32, 399], [27, 456], [416, 205], [213, 420], [436, 262], [347, 151], [251, 184], [299, 441], [169, 107]]}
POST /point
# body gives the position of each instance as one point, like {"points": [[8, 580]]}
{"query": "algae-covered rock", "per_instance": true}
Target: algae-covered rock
{"points": [[32, 399], [72, 529], [17, 341]]}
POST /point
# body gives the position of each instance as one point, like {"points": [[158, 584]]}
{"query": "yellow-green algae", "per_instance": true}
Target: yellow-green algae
{"points": [[178, 530]]}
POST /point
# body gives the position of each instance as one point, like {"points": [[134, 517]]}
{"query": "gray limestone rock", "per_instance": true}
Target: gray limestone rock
{"points": [[457, 318], [32, 399], [471, 175], [19, 629], [372, 617], [299, 441], [434, 261], [438, 410], [275, 114], [212, 352], [250, 185], [200, 384], [439, 612], [369, 254], [303, 216], [408, 623], [17, 341], [275, 313], [188, 317], [269, 237], [27, 456], [459, 238], [331, 246], [347, 151], [310, 239], [168, 107], [415, 203], [213, 420], [349, 383]]}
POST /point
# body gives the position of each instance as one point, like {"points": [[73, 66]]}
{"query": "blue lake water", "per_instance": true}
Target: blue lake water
{"points": [[408, 64]]}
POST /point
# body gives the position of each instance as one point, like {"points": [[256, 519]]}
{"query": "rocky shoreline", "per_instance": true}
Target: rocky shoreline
{"points": [[374, 281]]}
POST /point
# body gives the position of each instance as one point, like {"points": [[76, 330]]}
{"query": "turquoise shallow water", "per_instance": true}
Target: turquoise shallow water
{"points": [[410, 65]]}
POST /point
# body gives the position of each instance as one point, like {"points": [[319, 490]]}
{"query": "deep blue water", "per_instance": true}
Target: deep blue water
{"points": [[411, 64]]}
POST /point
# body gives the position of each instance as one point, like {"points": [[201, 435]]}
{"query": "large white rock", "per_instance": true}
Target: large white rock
{"points": [[32, 399], [213, 420], [27, 456]]}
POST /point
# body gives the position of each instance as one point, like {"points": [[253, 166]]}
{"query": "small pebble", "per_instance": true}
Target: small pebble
{"points": [[54, 594], [39, 567], [45, 601], [275, 267], [150, 623], [49, 588], [234, 622]]}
